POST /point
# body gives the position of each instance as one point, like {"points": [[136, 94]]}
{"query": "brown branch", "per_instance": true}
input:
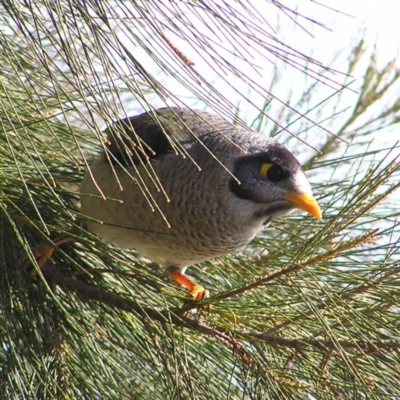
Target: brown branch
{"points": [[327, 255], [171, 316], [324, 345], [349, 295], [157, 314], [93, 293]]}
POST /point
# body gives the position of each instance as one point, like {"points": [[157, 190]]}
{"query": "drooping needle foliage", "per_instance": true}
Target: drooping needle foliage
{"points": [[308, 309]]}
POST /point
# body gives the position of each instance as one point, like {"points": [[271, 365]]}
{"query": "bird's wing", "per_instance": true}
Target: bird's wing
{"points": [[152, 135]]}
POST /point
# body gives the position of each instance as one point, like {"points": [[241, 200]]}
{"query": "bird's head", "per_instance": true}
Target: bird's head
{"points": [[274, 181]]}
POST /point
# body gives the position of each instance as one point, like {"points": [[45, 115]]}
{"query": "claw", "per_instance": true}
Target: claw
{"points": [[42, 253], [197, 292]]}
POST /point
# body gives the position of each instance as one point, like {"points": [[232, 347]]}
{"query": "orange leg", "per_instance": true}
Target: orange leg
{"points": [[42, 253], [197, 292]]}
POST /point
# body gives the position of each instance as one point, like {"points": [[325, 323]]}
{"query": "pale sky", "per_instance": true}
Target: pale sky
{"points": [[376, 21], [380, 18]]}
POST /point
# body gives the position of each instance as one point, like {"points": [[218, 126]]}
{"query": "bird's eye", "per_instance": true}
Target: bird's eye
{"points": [[272, 172]]}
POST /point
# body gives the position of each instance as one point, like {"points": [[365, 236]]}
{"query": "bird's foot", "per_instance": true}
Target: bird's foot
{"points": [[42, 253], [197, 292]]}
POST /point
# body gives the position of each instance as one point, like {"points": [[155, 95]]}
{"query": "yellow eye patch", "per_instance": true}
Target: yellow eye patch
{"points": [[264, 169]]}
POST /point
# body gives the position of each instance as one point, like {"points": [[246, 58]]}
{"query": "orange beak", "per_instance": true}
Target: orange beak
{"points": [[305, 202]]}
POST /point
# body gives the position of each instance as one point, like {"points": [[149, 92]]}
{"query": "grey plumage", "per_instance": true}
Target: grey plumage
{"points": [[209, 212]]}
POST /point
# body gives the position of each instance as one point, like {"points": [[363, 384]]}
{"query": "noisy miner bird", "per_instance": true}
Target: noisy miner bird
{"points": [[213, 188]]}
